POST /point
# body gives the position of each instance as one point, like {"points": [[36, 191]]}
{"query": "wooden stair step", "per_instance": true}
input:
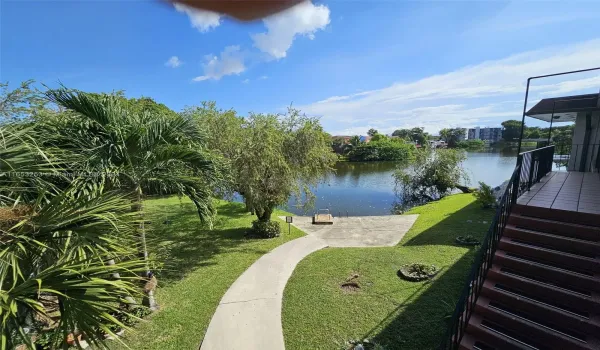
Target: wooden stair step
{"points": [[529, 331], [558, 276], [553, 314], [568, 260], [584, 304], [558, 215], [561, 243], [586, 232], [480, 332]]}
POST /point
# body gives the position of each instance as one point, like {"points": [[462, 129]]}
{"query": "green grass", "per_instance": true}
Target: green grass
{"points": [[395, 313], [200, 266]]}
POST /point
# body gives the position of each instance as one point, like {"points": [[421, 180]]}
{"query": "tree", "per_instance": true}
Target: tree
{"points": [[55, 261], [472, 144], [533, 133], [512, 130], [416, 134], [402, 133], [283, 156], [452, 136], [372, 132], [20, 102], [134, 152], [340, 145], [355, 140], [381, 151], [379, 137], [432, 176]]}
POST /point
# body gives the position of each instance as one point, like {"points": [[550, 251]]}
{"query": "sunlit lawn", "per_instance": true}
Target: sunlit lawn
{"points": [[201, 264], [395, 313]]}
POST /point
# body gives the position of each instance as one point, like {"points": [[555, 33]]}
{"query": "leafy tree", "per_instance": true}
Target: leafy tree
{"points": [[417, 135], [61, 256], [533, 133], [402, 133], [133, 152], [19, 103], [355, 140], [512, 130], [433, 175], [372, 132], [452, 136], [472, 144], [340, 145], [379, 137], [283, 156], [381, 151]]}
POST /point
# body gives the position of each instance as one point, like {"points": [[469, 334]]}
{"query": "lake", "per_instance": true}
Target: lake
{"points": [[367, 188]]}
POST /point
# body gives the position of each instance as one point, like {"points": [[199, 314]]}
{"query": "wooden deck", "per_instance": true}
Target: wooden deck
{"points": [[570, 191]]}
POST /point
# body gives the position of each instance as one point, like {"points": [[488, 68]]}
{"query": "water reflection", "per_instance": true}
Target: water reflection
{"points": [[367, 188]]}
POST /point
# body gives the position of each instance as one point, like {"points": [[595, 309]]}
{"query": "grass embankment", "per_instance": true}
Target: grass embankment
{"points": [[395, 313], [201, 264]]}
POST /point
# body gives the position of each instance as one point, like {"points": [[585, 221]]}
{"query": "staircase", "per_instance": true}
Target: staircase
{"points": [[542, 290]]}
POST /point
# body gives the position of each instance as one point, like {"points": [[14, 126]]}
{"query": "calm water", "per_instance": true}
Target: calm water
{"points": [[368, 188]]}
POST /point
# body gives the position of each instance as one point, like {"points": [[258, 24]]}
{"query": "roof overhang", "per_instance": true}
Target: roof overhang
{"points": [[564, 109]]}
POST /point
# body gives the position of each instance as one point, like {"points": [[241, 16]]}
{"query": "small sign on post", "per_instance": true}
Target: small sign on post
{"points": [[289, 221]]}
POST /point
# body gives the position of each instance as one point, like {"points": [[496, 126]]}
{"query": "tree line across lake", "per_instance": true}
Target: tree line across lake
{"points": [[401, 144]]}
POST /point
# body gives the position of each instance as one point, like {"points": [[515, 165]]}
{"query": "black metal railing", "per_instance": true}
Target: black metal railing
{"points": [[531, 167], [534, 165]]}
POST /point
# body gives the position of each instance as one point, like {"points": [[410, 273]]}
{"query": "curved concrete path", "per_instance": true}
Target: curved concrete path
{"points": [[249, 314]]}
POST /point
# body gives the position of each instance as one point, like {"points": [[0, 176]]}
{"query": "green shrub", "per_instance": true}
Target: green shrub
{"points": [[473, 144], [265, 229], [485, 195], [417, 272]]}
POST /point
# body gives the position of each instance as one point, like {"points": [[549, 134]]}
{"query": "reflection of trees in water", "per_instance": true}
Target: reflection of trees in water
{"points": [[351, 172]]}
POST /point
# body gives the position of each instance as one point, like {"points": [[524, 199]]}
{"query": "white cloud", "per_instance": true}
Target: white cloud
{"points": [[263, 77], [231, 61], [201, 20], [465, 96], [173, 62], [282, 28], [245, 81]]}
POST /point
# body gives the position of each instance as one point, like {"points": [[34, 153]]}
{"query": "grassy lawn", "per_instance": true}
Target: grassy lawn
{"points": [[200, 266], [392, 312]]}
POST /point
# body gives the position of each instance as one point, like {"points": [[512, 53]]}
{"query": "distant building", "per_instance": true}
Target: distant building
{"points": [[486, 134]]}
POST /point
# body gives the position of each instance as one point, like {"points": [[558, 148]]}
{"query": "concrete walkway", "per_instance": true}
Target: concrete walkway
{"points": [[249, 314], [359, 231]]}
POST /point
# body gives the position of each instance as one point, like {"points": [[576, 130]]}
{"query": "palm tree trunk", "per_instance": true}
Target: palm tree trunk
{"points": [[138, 207]]}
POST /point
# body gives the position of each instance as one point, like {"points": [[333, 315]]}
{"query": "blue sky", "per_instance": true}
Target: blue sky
{"points": [[356, 64]]}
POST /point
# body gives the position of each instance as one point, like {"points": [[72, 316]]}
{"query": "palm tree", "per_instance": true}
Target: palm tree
{"points": [[55, 249], [134, 152]]}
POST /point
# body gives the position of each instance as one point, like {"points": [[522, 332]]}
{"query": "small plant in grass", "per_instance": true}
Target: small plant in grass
{"points": [[364, 344], [265, 229], [485, 195], [417, 272], [467, 240]]}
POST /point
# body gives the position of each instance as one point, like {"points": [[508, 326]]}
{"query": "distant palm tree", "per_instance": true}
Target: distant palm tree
{"points": [[355, 140], [133, 152], [55, 249]]}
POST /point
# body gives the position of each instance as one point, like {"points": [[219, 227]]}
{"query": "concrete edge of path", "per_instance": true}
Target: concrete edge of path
{"points": [[249, 314]]}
